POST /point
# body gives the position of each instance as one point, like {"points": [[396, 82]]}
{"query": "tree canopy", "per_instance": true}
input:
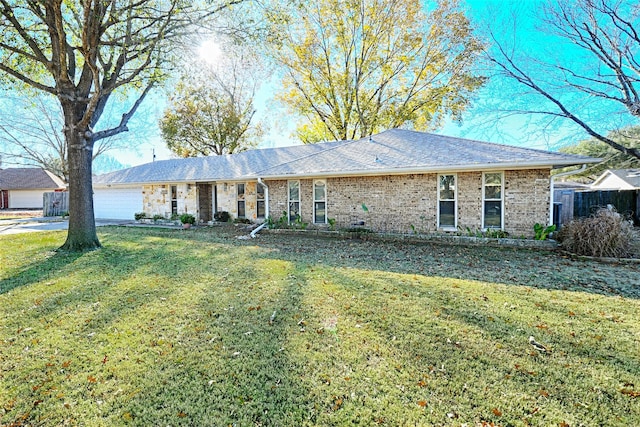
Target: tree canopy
{"points": [[31, 135], [84, 52], [211, 109], [353, 67], [611, 158], [589, 75]]}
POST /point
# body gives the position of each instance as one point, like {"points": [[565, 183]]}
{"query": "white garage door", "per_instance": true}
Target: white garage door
{"points": [[25, 199], [117, 203]]}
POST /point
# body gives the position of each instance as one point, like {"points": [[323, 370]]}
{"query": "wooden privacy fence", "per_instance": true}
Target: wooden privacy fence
{"points": [[586, 203], [55, 204], [581, 204]]}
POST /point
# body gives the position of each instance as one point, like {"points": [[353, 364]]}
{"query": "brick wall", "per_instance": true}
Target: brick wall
{"points": [[406, 202], [526, 200]]}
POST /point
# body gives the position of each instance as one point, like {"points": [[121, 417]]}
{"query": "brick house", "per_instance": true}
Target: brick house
{"points": [[395, 181]]}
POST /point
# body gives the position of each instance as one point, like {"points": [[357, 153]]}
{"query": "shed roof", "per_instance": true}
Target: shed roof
{"points": [[395, 151], [29, 179]]}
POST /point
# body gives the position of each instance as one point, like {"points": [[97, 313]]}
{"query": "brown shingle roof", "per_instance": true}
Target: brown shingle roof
{"points": [[29, 179]]}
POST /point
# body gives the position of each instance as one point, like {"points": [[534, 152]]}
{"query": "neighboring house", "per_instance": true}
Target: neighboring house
{"points": [[22, 188], [618, 179], [398, 181]]}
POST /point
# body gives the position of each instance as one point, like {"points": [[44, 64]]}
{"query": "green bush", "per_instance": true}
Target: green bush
{"points": [[187, 218], [158, 217], [542, 232], [604, 234], [222, 216], [139, 215]]}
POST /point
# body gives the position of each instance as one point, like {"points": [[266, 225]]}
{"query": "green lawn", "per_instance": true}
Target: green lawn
{"points": [[197, 328]]}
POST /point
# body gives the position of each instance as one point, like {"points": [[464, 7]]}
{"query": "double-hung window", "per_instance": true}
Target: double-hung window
{"points": [[492, 199], [241, 201], [320, 201], [260, 202], [174, 199], [447, 196], [294, 200]]}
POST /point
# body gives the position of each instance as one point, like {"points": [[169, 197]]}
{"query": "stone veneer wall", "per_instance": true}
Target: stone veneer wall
{"points": [[397, 202], [228, 199], [156, 199]]}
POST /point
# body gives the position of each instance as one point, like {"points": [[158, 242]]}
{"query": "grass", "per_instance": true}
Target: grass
{"points": [[172, 327]]}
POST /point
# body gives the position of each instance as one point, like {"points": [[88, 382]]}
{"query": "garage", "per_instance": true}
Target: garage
{"points": [[25, 199], [117, 202]]}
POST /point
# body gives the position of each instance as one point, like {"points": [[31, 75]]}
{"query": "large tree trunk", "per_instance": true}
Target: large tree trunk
{"points": [[82, 234]]}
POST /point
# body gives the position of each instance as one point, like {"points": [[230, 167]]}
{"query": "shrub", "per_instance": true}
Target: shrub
{"points": [[542, 232], [604, 234], [242, 221], [139, 215], [222, 216], [158, 217], [282, 222], [187, 218]]}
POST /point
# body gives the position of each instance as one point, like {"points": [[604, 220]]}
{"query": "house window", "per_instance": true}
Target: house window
{"points": [[240, 198], [260, 203], [294, 200], [492, 200], [174, 199], [447, 196], [320, 202]]}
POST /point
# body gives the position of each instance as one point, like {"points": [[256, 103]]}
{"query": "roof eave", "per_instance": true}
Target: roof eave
{"points": [[433, 169]]}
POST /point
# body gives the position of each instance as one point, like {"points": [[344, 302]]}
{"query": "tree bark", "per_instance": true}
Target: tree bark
{"points": [[81, 235]]}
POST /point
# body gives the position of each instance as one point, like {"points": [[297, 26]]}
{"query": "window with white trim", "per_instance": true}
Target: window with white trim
{"points": [[260, 201], [241, 202], [447, 201], [492, 199], [294, 200], [174, 199], [320, 201]]}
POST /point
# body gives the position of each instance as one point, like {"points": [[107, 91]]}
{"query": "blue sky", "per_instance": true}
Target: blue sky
{"points": [[480, 121]]}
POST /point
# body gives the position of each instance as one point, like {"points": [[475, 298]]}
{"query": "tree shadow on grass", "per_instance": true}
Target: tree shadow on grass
{"points": [[456, 334], [510, 266], [39, 270], [234, 366]]}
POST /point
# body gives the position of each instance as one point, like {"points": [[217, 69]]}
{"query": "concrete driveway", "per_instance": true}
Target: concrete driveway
{"points": [[29, 225]]}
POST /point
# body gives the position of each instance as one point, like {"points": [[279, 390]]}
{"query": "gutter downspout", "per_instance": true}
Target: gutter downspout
{"points": [[266, 208], [552, 188]]}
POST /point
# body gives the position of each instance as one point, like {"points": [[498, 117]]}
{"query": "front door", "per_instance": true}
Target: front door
{"points": [[205, 202]]}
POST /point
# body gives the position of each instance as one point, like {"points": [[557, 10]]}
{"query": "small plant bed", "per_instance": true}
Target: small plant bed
{"points": [[445, 238], [162, 327]]}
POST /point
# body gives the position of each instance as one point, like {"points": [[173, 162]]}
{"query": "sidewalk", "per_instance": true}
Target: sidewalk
{"points": [[28, 225]]}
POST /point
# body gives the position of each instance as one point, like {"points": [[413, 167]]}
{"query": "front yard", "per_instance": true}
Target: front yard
{"points": [[173, 327]]}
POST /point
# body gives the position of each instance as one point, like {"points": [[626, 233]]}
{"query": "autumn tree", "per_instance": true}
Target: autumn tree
{"points": [[31, 135], [591, 74], [211, 109], [354, 67], [84, 52]]}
